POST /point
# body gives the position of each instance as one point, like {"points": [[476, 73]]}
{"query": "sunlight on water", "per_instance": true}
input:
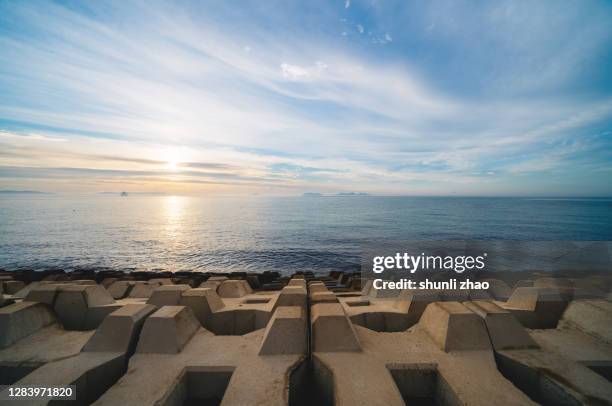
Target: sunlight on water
{"points": [[174, 206], [263, 233]]}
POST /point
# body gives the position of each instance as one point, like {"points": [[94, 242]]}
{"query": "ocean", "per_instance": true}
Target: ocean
{"points": [[256, 234]]}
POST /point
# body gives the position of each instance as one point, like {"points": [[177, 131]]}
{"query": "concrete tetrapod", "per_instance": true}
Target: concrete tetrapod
{"points": [[234, 288], [102, 361], [332, 331], [83, 307], [423, 364], [286, 332], [22, 319], [206, 368], [167, 295]]}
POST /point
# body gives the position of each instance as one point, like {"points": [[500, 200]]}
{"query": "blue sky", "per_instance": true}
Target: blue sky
{"points": [[276, 97]]}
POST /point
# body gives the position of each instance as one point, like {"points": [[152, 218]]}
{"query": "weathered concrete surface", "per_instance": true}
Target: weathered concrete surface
{"points": [[498, 289], [91, 372], [536, 307], [238, 321], [552, 379], [234, 288], [6, 300], [120, 289], [83, 307], [292, 296], [119, 331], [454, 327], [286, 332], [593, 317], [153, 379], [21, 319], [466, 374], [505, 332], [390, 315], [167, 295], [323, 297], [46, 294], [168, 330], [418, 345], [23, 292], [50, 343], [297, 282], [332, 331], [160, 281], [12, 287], [581, 336], [204, 302], [102, 360], [142, 290]]}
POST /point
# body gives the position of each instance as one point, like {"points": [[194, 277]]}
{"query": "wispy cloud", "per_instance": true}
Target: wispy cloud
{"points": [[431, 94]]}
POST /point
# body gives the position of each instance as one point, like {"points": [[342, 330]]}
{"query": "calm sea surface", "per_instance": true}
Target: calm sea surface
{"points": [[265, 233]]}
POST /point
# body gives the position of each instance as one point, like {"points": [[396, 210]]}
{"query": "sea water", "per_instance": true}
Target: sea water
{"points": [[260, 233]]}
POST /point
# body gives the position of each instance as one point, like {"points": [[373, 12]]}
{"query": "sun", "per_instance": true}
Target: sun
{"points": [[172, 165], [173, 159]]}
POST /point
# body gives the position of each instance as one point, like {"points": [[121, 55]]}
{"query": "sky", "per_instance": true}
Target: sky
{"points": [[504, 98]]}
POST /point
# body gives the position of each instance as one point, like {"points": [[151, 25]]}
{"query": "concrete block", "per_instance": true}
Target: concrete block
{"points": [[217, 279], [357, 302], [46, 294], [414, 302], [120, 289], [253, 281], [286, 332], [106, 282], [92, 373], [453, 295], [73, 301], [167, 295], [204, 302], [119, 330], [536, 307], [142, 290], [297, 282], [323, 297], [498, 289], [210, 285], [593, 317], [12, 287], [552, 283], [454, 327], [168, 330], [292, 296], [5, 300], [234, 288], [237, 321], [23, 292], [505, 332], [22, 319], [96, 314], [82, 282], [524, 283], [160, 281], [332, 331], [316, 288]]}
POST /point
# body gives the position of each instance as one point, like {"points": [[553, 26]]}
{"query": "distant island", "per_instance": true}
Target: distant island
{"points": [[124, 193], [23, 192], [316, 194], [353, 194]]}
